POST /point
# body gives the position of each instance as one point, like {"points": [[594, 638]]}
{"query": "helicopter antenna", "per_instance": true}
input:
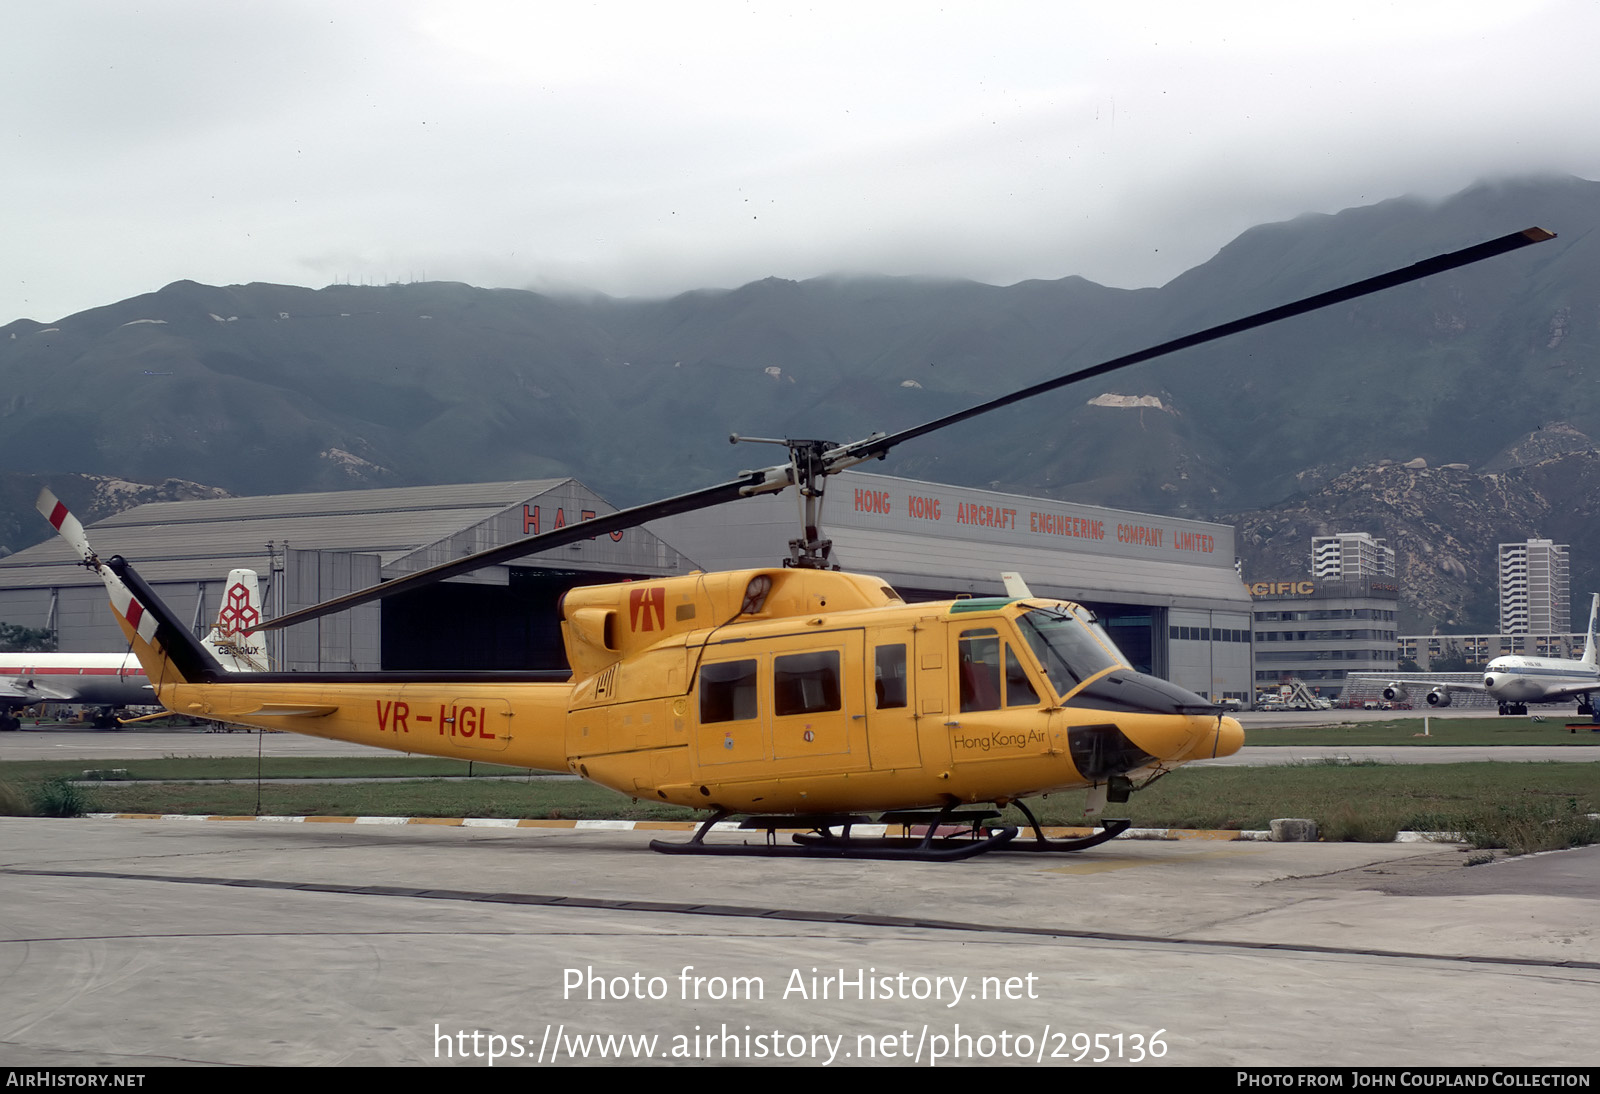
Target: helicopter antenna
{"points": [[811, 461]]}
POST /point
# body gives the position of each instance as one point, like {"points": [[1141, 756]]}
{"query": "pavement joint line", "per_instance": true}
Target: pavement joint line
{"points": [[1052, 831], [857, 919], [1224, 835]]}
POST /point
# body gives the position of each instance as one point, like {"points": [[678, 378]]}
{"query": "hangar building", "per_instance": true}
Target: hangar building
{"points": [[318, 546], [1165, 588]]}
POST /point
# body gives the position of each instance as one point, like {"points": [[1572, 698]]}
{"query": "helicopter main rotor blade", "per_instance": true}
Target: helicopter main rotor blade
{"points": [[874, 447], [619, 521], [844, 456]]}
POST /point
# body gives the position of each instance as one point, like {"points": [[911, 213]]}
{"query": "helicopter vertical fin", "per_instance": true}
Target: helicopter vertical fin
{"points": [[176, 653]]}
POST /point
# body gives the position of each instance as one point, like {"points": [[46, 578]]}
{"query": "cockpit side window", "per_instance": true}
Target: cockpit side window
{"points": [[991, 674], [1019, 689], [978, 663]]}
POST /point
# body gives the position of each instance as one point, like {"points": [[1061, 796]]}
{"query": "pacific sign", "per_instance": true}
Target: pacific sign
{"points": [[1282, 588]]}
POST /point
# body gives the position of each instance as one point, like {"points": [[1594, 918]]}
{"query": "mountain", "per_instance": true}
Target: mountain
{"points": [[271, 388], [90, 497], [1445, 525]]}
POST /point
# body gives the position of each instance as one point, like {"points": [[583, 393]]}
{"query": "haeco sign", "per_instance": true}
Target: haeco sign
{"points": [[1009, 523]]}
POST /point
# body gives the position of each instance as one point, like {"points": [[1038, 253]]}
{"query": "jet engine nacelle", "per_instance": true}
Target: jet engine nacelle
{"points": [[1439, 697], [1395, 693]]}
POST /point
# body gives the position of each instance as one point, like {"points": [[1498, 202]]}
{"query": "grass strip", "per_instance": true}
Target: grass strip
{"points": [[1369, 802], [569, 800], [1520, 806], [247, 767]]}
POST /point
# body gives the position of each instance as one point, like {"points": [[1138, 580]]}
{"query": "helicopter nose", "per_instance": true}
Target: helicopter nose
{"points": [[1195, 737], [1135, 740], [1228, 739], [1149, 719]]}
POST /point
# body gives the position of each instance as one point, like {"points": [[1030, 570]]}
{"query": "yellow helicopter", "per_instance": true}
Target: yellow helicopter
{"points": [[791, 696]]}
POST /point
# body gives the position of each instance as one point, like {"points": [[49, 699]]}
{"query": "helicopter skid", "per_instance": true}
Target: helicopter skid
{"points": [[921, 822], [912, 848], [823, 842], [1112, 829]]}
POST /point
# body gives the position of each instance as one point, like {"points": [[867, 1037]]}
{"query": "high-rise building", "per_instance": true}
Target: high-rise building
{"points": [[1535, 591], [1350, 556]]}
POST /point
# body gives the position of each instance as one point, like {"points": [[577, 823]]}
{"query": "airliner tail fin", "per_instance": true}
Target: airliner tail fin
{"points": [[231, 640]]}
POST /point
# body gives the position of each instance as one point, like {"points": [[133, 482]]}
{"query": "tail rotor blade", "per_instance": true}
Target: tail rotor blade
{"points": [[69, 527]]}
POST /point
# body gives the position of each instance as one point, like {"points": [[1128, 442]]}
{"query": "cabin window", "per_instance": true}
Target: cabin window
{"points": [[805, 683], [728, 691], [890, 672]]}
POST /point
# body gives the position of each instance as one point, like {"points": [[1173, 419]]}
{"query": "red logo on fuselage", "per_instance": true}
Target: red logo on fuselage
{"points": [[647, 609]]}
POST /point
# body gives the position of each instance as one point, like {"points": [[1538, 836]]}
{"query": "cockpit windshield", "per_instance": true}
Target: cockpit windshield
{"points": [[1069, 647]]}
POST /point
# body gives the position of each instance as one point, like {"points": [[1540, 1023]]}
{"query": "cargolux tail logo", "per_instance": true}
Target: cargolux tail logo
{"points": [[649, 608], [238, 615]]}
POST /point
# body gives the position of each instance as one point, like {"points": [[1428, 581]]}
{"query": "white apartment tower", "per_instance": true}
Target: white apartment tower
{"points": [[1535, 592], [1350, 556]]}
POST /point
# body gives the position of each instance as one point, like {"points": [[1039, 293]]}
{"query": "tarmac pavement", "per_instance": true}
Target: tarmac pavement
{"points": [[139, 943], [136, 944]]}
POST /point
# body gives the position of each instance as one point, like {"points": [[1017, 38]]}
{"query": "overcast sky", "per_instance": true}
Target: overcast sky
{"points": [[653, 147]]}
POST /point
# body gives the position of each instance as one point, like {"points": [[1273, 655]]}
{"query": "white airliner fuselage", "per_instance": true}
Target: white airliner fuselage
{"points": [[99, 679], [73, 678], [1514, 680], [1521, 680]]}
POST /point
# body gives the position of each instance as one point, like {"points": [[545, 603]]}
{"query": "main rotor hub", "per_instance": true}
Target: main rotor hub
{"points": [[810, 464]]}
